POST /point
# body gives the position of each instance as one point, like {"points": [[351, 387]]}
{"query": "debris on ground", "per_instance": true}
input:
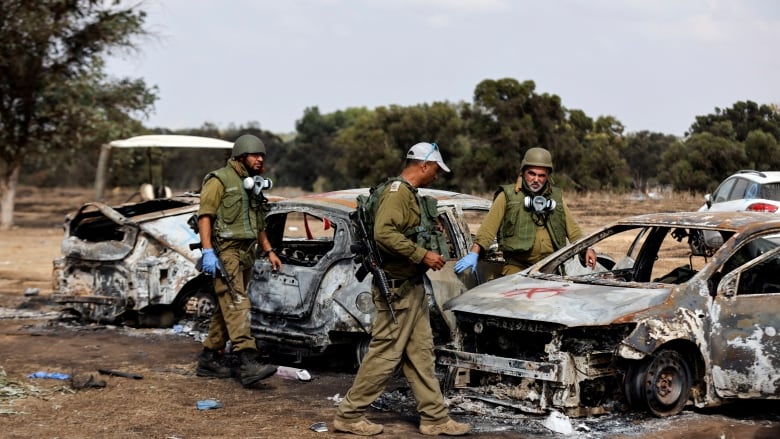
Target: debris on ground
{"points": [[292, 373], [208, 404], [29, 292], [117, 373], [335, 398], [81, 383], [49, 375], [558, 422], [11, 390], [319, 427]]}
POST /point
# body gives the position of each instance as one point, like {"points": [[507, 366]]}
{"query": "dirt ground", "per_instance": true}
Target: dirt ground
{"points": [[162, 403]]}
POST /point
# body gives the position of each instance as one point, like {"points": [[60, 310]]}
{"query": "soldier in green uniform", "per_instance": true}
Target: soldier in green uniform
{"points": [[231, 224], [406, 254], [529, 217]]}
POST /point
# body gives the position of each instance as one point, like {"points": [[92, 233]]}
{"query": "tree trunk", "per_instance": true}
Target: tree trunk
{"points": [[8, 194]]}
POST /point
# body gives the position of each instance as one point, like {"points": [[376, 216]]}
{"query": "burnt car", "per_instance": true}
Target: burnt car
{"points": [[683, 308], [316, 301], [119, 261], [132, 262]]}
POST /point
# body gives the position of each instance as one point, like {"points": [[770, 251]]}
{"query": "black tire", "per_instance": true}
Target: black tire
{"points": [[661, 384], [633, 385], [361, 348]]}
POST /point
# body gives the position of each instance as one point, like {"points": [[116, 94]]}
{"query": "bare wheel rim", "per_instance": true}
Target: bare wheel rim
{"points": [[667, 383]]}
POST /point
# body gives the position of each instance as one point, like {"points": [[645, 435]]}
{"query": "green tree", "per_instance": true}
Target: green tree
{"points": [[739, 120], [701, 162], [762, 150], [508, 118], [642, 153], [373, 147], [312, 157], [53, 92]]}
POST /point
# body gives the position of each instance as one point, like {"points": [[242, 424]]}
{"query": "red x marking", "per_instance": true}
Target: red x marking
{"points": [[529, 292]]}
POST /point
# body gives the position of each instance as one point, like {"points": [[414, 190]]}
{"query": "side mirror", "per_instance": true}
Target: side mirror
{"points": [[708, 200]]}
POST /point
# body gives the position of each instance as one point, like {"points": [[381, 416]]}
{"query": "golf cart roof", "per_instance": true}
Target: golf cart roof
{"points": [[150, 141], [170, 141]]}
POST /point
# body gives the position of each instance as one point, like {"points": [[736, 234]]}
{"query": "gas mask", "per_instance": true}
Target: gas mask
{"points": [[257, 184], [539, 204]]}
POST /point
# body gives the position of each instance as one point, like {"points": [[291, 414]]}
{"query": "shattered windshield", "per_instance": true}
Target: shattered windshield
{"points": [[657, 254]]}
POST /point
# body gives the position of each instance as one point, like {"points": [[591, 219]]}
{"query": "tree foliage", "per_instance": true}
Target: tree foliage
{"points": [[373, 147], [311, 157], [54, 95], [701, 162], [642, 153], [739, 121]]}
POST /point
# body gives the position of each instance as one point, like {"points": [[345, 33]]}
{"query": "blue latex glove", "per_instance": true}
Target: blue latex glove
{"points": [[468, 261], [49, 375], [209, 261]]}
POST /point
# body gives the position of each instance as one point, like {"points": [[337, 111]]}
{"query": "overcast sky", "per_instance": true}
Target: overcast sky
{"points": [[653, 64]]}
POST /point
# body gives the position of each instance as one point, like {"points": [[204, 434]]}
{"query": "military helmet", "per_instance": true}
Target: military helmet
{"points": [[537, 157], [248, 144]]}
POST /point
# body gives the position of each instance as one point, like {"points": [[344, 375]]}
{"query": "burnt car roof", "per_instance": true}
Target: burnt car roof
{"points": [[720, 220], [346, 200]]}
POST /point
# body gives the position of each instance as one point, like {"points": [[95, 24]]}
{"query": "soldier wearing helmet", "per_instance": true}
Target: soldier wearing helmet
{"points": [[231, 223], [529, 218]]}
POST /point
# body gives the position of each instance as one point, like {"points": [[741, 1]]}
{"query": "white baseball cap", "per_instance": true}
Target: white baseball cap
{"points": [[427, 152]]}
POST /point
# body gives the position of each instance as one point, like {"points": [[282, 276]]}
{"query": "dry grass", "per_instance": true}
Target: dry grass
{"points": [[593, 210]]}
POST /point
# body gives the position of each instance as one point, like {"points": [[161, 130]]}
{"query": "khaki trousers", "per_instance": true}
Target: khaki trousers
{"points": [[409, 343], [232, 320]]}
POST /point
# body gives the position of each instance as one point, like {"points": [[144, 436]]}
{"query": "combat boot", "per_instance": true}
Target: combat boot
{"points": [[250, 369], [363, 427], [449, 428], [211, 364]]}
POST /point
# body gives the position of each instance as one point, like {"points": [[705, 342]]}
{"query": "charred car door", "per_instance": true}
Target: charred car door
{"points": [[746, 320], [308, 244]]}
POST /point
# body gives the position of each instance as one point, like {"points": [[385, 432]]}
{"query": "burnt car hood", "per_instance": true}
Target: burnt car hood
{"points": [[566, 303]]}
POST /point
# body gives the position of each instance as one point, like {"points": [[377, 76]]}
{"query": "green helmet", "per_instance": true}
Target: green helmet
{"points": [[248, 144], [537, 157]]}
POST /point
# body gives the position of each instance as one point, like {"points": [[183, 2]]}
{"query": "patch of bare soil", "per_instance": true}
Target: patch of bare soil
{"points": [[162, 403]]}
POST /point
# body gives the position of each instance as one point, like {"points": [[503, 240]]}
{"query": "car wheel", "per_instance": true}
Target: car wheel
{"points": [[361, 349], [661, 384], [633, 384], [199, 304]]}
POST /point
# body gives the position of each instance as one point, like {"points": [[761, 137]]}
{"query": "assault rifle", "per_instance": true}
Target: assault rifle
{"points": [[370, 260]]}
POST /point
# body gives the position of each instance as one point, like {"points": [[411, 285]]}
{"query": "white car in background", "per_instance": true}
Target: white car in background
{"points": [[746, 191]]}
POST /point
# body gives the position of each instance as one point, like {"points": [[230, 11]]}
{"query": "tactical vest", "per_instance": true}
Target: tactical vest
{"points": [[426, 234], [518, 229], [239, 213]]}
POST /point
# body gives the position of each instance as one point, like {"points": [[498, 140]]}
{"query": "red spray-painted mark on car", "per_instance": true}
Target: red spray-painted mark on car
{"points": [[530, 292]]}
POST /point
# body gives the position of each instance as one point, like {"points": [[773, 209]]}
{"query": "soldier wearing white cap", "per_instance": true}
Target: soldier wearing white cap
{"points": [[406, 254]]}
